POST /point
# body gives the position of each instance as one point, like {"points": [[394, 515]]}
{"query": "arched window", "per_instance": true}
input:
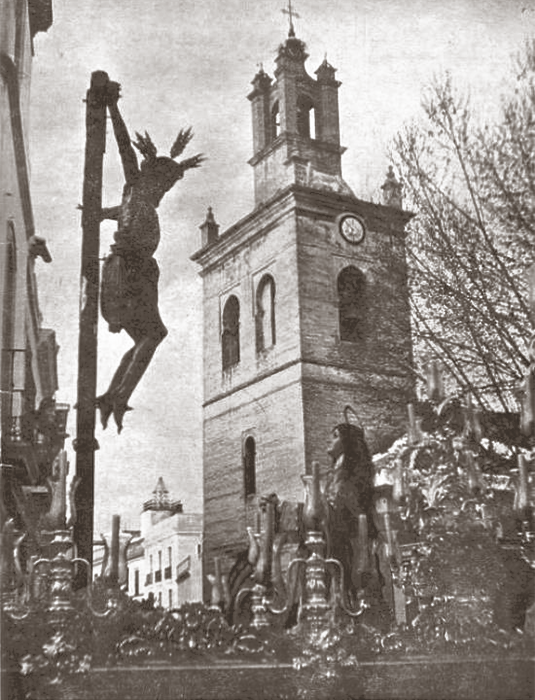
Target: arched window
{"points": [[249, 466], [352, 304], [231, 333], [275, 121], [265, 313], [306, 117]]}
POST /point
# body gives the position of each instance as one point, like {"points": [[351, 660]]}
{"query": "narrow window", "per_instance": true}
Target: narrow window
{"points": [[265, 313], [231, 333], [150, 576], [352, 304], [168, 569], [275, 121], [249, 466], [136, 582], [306, 117], [170, 598]]}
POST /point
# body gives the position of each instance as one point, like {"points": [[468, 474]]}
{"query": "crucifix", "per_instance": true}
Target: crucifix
{"points": [[129, 286], [291, 14], [129, 291]]}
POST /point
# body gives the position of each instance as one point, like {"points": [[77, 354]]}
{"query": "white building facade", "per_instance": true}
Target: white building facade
{"points": [[164, 558]]}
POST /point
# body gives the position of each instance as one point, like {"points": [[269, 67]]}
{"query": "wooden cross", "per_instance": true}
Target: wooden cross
{"points": [[291, 14]]}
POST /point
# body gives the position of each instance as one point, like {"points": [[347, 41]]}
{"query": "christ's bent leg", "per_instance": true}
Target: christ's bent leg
{"points": [[105, 401], [140, 318], [139, 359]]}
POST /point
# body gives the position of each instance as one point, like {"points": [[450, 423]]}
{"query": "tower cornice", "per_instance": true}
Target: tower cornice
{"points": [[295, 144], [300, 199]]}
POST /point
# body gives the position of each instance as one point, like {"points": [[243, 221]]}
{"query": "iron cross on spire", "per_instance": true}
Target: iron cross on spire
{"points": [[291, 14]]}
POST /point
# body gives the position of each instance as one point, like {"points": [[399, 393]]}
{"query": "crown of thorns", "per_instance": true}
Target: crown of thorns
{"points": [[148, 150], [349, 409]]}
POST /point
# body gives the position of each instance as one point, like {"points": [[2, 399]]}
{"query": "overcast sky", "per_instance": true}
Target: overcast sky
{"points": [[183, 63]]}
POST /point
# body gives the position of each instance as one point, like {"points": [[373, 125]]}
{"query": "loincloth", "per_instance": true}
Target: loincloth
{"points": [[129, 290]]}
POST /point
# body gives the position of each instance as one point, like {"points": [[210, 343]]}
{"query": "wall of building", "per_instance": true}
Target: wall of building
{"points": [[28, 372], [164, 559], [264, 244], [167, 545], [15, 48], [136, 570], [373, 375], [271, 412], [290, 397]]}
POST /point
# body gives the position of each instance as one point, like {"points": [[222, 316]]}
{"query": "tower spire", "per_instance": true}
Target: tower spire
{"points": [[291, 14]]}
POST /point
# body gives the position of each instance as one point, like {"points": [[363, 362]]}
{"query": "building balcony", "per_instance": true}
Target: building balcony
{"points": [[148, 580], [158, 576], [167, 572], [30, 438], [25, 444]]}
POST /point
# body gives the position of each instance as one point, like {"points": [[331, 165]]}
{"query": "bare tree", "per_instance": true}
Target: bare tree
{"points": [[472, 241]]}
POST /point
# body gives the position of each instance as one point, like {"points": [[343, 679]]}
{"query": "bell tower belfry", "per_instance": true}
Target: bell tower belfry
{"points": [[295, 121], [305, 306]]}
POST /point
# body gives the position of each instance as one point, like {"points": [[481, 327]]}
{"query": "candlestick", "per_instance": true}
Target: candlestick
{"points": [[217, 567], [122, 568], [522, 494], [114, 548], [312, 511], [434, 382], [398, 490], [215, 580], [414, 428], [531, 288], [485, 516], [7, 560], [362, 553], [473, 476], [388, 531], [269, 534], [410, 409], [316, 474], [527, 416], [472, 422], [363, 530]]}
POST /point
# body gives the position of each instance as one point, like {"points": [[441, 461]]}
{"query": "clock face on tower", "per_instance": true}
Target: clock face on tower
{"points": [[352, 228]]}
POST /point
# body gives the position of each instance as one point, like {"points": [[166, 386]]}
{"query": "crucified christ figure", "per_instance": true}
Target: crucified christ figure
{"points": [[129, 297]]}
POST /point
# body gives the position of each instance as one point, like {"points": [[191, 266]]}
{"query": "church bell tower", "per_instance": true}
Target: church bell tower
{"points": [[305, 307], [295, 122]]}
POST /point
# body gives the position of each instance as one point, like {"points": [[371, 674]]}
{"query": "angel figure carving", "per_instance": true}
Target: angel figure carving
{"points": [[129, 289]]}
